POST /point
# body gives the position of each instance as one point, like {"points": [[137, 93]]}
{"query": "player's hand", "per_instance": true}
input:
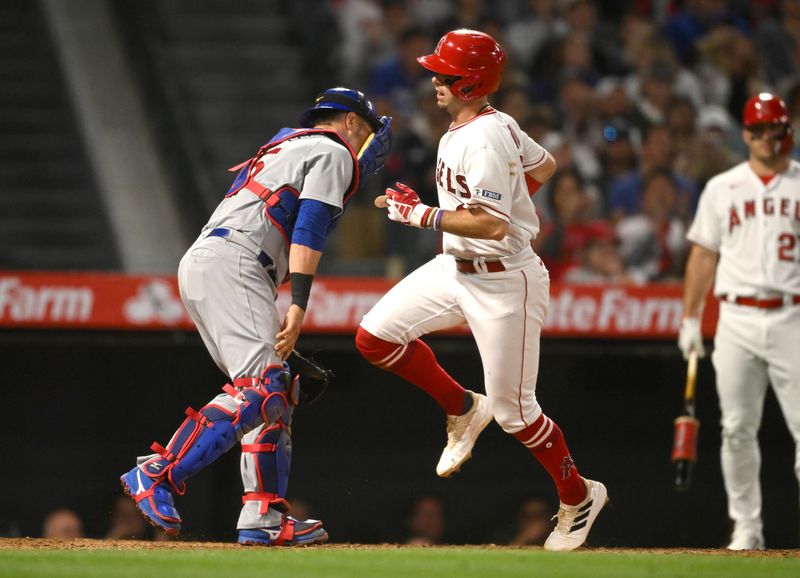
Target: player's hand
{"points": [[404, 206], [290, 331], [690, 337], [375, 151]]}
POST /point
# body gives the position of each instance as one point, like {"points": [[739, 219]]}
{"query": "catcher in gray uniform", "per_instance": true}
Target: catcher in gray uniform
{"points": [[271, 227]]}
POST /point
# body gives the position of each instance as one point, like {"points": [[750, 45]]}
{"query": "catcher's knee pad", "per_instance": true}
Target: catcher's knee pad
{"points": [[207, 434], [377, 351], [267, 462]]}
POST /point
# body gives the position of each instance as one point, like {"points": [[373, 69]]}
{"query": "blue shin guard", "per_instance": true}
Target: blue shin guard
{"points": [[202, 438], [264, 520]]}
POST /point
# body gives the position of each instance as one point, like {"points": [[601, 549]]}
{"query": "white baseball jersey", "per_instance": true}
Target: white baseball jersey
{"points": [[755, 228], [481, 163]]}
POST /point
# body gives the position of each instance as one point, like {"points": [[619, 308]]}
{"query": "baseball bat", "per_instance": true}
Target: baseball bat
{"points": [[684, 443]]}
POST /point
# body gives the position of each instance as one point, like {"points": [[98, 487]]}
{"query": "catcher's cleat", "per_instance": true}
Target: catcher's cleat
{"points": [[462, 433], [291, 532], [154, 501], [574, 522]]}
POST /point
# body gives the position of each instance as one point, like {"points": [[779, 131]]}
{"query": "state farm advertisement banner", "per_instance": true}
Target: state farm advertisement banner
{"points": [[337, 304]]}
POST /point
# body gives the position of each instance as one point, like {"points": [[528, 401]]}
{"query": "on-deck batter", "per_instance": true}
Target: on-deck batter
{"points": [[747, 233], [271, 227], [488, 277]]}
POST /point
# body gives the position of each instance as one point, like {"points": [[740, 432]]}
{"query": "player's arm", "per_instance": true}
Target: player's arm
{"points": [[700, 270], [540, 174], [308, 241], [405, 207], [473, 222]]}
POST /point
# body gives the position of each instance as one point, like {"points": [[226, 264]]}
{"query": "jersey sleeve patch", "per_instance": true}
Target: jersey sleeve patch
{"points": [[487, 195]]}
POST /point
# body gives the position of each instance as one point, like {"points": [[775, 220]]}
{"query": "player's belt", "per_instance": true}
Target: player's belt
{"points": [[770, 303], [262, 257], [470, 266]]}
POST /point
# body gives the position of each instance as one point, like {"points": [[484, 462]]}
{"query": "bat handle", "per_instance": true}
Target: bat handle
{"points": [[691, 377]]}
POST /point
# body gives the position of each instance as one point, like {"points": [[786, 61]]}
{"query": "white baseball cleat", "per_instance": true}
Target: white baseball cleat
{"points": [[746, 541], [462, 433], [574, 522]]}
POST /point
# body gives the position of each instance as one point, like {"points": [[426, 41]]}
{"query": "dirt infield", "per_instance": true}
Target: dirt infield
{"points": [[92, 544]]}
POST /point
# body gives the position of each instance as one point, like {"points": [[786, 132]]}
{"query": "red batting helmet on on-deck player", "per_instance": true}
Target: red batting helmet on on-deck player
{"points": [[474, 56], [766, 108]]}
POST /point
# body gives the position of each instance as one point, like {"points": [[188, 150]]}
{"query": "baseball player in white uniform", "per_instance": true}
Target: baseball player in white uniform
{"points": [[488, 277], [746, 236], [270, 227]]}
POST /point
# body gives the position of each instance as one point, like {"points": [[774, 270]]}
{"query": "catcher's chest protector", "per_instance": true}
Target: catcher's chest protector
{"points": [[282, 204]]}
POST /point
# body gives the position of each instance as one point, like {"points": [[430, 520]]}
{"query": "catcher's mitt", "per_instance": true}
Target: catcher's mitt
{"points": [[314, 378]]}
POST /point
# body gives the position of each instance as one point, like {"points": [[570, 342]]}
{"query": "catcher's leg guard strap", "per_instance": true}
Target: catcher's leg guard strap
{"points": [[207, 434], [266, 465], [287, 531]]}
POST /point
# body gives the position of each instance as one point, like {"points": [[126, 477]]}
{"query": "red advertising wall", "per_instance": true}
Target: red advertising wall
{"points": [[126, 302]]}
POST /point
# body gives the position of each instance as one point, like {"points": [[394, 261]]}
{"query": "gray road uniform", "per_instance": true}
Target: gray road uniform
{"points": [[228, 282], [228, 277], [292, 192]]}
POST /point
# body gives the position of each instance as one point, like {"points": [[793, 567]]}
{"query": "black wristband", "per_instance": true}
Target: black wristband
{"points": [[301, 289]]}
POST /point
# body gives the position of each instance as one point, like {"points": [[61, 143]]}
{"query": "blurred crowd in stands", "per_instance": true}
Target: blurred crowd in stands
{"points": [[639, 102], [424, 523]]}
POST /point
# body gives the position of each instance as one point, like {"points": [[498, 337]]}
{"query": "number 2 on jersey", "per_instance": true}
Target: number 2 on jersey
{"points": [[787, 244]]}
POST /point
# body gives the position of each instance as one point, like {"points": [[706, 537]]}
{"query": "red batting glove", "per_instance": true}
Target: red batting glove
{"points": [[404, 206]]}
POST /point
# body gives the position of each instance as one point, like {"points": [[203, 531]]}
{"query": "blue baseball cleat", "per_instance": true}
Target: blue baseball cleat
{"points": [[291, 532], [153, 500]]}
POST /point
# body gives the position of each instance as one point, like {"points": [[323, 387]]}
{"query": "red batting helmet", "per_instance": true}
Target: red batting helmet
{"points": [[766, 108], [474, 56]]}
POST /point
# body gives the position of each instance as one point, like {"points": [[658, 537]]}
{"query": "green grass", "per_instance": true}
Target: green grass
{"points": [[383, 562]]}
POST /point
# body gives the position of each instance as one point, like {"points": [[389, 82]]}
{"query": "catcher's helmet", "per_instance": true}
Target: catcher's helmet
{"points": [[766, 108], [474, 56], [345, 99]]}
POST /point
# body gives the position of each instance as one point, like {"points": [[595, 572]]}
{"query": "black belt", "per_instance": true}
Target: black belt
{"points": [[468, 266], [262, 257], [770, 303]]}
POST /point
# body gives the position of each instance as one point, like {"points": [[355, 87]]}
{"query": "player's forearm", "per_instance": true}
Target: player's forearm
{"points": [[303, 262], [474, 223], [700, 270], [303, 259]]}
